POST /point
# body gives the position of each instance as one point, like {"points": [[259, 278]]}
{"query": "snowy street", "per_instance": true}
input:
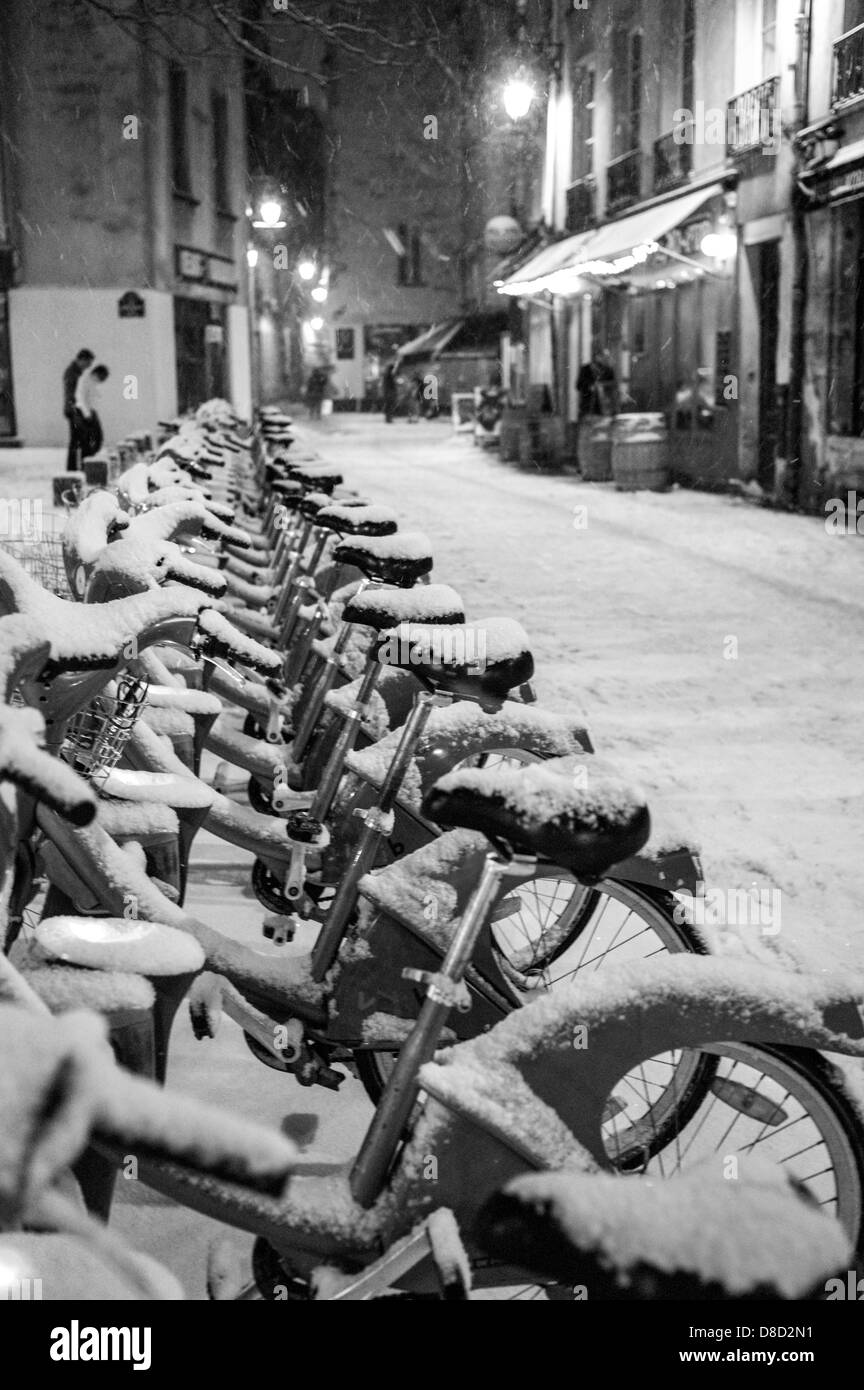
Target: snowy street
{"points": [[714, 648]]}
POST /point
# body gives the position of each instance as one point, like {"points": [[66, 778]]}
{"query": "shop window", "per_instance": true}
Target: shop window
{"points": [[635, 88], [219, 130], [846, 375], [409, 268], [688, 56], [345, 344], [583, 132], [854, 15], [178, 117]]}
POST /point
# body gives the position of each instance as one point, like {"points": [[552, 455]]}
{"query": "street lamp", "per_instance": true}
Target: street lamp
{"points": [[316, 324], [270, 215], [518, 97], [306, 270], [721, 245], [251, 256], [319, 294]]}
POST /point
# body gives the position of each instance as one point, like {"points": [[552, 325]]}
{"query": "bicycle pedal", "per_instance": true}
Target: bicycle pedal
{"points": [[279, 929]]}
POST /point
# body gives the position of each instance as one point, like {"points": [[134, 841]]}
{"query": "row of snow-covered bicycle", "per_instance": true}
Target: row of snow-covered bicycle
{"points": [[464, 909]]}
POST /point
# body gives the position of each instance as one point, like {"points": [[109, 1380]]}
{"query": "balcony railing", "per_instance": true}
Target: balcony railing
{"points": [[753, 119], [623, 181], [582, 204], [673, 159], [849, 66]]}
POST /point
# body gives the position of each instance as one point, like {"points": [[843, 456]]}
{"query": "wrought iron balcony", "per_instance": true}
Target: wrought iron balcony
{"points": [[673, 159], [753, 119], [849, 66], [582, 204], [623, 181]]}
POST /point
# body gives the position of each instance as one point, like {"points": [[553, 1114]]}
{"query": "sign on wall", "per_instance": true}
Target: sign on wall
{"points": [[131, 306], [204, 268]]}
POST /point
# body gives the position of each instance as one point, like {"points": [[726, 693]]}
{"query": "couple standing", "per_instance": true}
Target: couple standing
{"points": [[81, 382]]}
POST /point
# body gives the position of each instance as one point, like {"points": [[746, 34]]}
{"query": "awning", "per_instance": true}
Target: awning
{"points": [[613, 249], [471, 334], [547, 262], [433, 341], [841, 177]]}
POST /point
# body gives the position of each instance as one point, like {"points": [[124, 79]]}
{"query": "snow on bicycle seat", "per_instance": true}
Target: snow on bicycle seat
{"points": [[286, 487], [350, 520], [163, 788], [401, 559], [320, 475], [474, 661], [573, 812], [382, 609], [692, 1235], [120, 943], [311, 503], [91, 636]]}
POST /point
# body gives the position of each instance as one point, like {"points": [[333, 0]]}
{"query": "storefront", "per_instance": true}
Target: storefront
{"points": [[644, 288], [207, 283], [834, 332]]}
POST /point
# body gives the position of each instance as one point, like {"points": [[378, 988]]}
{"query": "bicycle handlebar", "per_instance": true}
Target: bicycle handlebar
{"points": [[29, 767]]}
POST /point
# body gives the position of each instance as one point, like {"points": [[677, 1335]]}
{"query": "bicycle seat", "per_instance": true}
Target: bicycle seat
{"points": [[551, 810], [401, 559], [348, 520], [288, 489], [692, 1235], [382, 609], [311, 504], [473, 661], [317, 477]]}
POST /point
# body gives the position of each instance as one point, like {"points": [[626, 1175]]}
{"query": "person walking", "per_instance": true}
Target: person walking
{"points": [[86, 396], [316, 389], [82, 361], [390, 391]]}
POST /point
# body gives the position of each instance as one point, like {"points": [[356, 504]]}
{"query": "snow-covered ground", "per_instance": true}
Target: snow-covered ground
{"points": [[713, 649]]}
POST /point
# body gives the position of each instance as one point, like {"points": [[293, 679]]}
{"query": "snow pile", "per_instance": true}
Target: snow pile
{"points": [[753, 1235]]}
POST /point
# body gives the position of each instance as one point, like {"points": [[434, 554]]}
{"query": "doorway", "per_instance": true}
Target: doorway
{"points": [[199, 335], [768, 302]]}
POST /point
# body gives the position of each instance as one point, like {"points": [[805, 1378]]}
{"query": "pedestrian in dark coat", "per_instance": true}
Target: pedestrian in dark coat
{"points": [[80, 363]]}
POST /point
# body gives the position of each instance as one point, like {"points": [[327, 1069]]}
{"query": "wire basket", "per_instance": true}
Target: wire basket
{"points": [[97, 735], [39, 551]]}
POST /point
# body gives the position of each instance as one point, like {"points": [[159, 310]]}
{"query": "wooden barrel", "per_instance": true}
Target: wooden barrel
{"points": [[512, 422], [595, 449], [641, 459], [543, 442]]}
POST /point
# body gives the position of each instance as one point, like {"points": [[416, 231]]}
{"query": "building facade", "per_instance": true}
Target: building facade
{"points": [[670, 167], [124, 193]]}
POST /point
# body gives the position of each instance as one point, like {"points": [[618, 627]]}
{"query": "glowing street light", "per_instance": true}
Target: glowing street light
{"points": [[721, 245], [518, 97], [251, 256], [316, 324], [270, 215], [319, 294], [306, 270]]}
